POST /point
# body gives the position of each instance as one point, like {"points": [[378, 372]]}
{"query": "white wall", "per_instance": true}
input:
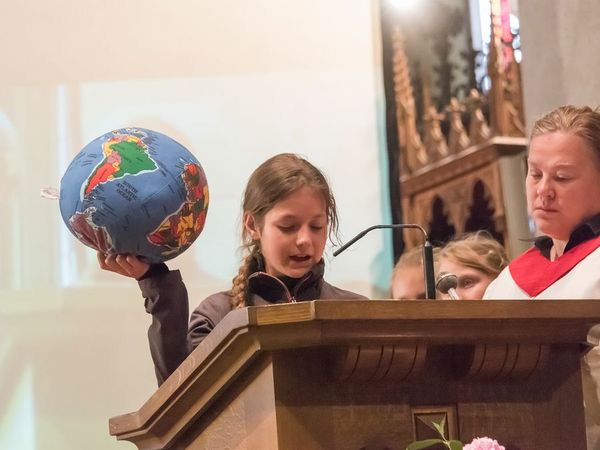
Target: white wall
{"points": [[560, 42], [234, 81]]}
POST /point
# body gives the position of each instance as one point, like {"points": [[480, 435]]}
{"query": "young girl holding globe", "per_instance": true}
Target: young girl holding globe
{"points": [[288, 213]]}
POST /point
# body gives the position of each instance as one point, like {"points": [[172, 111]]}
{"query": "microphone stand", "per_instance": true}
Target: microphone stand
{"points": [[447, 284], [428, 269]]}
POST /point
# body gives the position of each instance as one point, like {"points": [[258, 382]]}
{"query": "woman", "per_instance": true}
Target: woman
{"points": [[563, 198], [476, 260]]}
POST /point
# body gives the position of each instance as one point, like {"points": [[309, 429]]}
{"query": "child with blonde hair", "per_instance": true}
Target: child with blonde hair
{"points": [[476, 260]]}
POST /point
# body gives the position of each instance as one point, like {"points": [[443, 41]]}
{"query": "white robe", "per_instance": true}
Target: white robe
{"points": [[581, 282]]}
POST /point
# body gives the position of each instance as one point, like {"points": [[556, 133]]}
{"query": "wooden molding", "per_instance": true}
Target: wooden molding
{"points": [[455, 166], [375, 363], [501, 361]]}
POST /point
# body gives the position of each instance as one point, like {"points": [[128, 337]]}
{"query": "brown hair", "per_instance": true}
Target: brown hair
{"points": [[478, 251], [580, 121], [272, 181]]}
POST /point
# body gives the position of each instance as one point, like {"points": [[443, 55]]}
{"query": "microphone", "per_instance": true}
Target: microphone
{"points": [[447, 284], [428, 270]]}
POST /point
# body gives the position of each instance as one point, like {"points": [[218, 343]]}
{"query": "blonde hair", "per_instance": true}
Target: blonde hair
{"points": [[477, 251], [580, 121], [274, 180]]}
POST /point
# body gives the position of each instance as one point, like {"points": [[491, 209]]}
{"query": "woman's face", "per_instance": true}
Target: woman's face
{"points": [[472, 283], [563, 183]]}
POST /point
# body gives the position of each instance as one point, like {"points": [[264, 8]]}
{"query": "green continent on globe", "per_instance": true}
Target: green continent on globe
{"points": [[134, 159], [123, 155]]}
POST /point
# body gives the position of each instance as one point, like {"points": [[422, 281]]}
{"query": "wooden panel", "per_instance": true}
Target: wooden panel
{"points": [[424, 416], [313, 412], [243, 419], [454, 166]]}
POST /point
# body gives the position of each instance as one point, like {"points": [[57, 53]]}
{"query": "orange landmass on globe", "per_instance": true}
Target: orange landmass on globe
{"points": [[124, 154]]}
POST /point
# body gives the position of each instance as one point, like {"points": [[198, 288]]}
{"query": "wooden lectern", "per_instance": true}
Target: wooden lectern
{"points": [[373, 375]]}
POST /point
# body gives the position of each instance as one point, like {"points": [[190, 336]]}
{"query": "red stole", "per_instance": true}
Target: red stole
{"points": [[534, 273]]}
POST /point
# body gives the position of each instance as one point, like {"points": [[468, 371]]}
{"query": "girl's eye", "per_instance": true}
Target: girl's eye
{"points": [[317, 227], [286, 228], [466, 283], [560, 177], [535, 175]]}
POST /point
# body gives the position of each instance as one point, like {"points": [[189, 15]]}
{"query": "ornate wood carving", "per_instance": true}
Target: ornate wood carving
{"points": [[374, 363], [412, 150], [505, 104], [440, 169], [479, 130], [453, 180], [435, 141], [458, 139], [501, 361]]}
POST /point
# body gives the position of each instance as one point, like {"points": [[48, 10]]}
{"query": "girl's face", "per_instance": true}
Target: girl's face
{"points": [[292, 234], [472, 283], [563, 183]]}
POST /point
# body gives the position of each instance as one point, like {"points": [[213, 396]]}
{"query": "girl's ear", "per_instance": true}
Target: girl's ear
{"points": [[251, 226]]}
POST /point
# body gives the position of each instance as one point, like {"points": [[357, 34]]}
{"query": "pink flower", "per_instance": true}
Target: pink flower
{"points": [[484, 443]]}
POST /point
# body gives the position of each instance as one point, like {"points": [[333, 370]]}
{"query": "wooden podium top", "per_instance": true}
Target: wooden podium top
{"points": [[245, 333]]}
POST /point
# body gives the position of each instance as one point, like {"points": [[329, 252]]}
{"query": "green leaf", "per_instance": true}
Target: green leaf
{"points": [[455, 445], [418, 445], [440, 427]]}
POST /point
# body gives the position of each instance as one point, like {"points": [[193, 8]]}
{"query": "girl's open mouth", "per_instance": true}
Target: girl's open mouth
{"points": [[300, 258]]}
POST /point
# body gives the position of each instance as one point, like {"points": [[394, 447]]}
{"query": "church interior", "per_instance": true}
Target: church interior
{"points": [[417, 111]]}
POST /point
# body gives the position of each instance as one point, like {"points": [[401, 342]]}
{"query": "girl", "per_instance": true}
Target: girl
{"points": [[288, 213], [476, 260]]}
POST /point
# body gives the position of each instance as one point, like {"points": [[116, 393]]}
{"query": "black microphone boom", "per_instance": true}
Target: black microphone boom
{"points": [[428, 269]]}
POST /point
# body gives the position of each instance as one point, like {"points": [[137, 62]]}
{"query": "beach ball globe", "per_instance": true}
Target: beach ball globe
{"points": [[135, 191]]}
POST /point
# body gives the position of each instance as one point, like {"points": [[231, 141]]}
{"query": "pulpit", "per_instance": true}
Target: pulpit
{"points": [[374, 375]]}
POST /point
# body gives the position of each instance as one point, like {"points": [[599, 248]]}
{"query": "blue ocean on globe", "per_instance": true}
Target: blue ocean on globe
{"points": [[135, 191]]}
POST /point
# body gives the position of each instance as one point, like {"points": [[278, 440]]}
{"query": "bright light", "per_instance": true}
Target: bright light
{"points": [[485, 21], [405, 5]]}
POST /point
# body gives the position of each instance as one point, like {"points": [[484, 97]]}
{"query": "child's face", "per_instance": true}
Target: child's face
{"points": [[293, 233], [409, 283], [472, 283]]}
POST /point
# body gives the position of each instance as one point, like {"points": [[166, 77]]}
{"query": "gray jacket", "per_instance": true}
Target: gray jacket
{"points": [[172, 340]]}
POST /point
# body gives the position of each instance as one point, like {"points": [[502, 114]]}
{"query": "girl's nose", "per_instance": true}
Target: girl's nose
{"points": [[303, 237]]}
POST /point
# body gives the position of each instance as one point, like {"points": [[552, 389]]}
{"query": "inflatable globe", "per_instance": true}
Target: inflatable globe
{"points": [[135, 191]]}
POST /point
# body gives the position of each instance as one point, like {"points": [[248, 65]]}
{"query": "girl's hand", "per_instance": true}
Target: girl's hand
{"points": [[126, 265]]}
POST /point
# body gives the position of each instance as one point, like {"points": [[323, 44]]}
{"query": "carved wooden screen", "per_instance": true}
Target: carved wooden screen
{"points": [[447, 130]]}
